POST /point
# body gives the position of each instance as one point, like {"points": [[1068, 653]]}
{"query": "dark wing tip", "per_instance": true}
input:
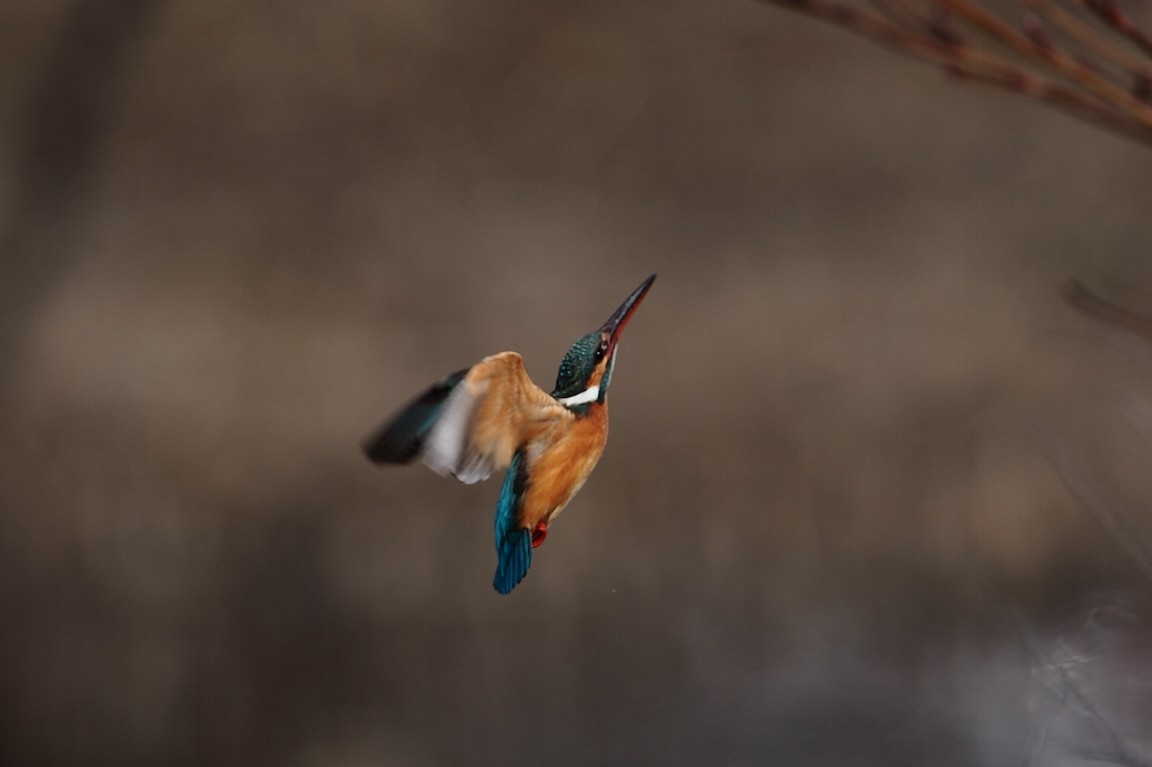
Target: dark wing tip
{"points": [[400, 440], [382, 448], [515, 559]]}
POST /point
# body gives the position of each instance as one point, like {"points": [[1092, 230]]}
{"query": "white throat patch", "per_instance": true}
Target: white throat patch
{"points": [[591, 394]]}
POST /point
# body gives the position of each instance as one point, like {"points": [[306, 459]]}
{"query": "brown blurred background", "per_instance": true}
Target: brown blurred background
{"points": [[827, 529]]}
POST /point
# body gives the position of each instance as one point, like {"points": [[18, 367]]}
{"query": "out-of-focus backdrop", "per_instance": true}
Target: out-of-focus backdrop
{"points": [[828, 528]]}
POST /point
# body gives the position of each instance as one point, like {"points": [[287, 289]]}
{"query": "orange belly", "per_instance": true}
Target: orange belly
{"points": [[559, 463]]}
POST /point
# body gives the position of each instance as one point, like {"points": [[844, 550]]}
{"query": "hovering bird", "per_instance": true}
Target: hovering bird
{"points": [[492, 417]]}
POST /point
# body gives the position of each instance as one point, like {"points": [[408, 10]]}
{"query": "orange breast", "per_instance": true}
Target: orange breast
{"points": [[560, 462]]}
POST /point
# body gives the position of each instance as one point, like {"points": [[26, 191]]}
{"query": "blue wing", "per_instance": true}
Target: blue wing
{"points": [[400, 440], [513, 543]]}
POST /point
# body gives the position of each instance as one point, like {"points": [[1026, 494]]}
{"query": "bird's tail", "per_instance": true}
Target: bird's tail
{"points": [[513, 543]]}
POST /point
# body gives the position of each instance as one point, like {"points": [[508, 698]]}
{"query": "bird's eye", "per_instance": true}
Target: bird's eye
{"points": [[601, 350]]}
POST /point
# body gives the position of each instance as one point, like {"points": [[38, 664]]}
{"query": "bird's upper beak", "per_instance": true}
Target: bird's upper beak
{"points": [[615, 324]]}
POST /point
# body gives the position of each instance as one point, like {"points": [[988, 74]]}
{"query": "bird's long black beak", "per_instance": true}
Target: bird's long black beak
{"points": [[615, 324]]}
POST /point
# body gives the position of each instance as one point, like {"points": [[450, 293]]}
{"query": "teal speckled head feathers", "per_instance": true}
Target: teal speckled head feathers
{"points": [[577, 366], [586, 370]]}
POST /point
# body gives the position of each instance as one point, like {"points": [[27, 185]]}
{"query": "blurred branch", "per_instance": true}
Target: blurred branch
{"points": [[1094, 306], [1078, 676], [1110, 13], [1088, 68], [1070, 467], [1095, 500]]}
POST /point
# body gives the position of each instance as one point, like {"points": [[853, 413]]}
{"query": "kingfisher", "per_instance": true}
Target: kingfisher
{"points": [[492, 416]]}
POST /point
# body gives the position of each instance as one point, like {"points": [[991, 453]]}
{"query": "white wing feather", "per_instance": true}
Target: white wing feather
{"points": [[447, 445], [487, 417]]}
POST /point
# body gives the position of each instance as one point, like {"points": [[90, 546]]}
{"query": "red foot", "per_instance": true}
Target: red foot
{"points": [[539, 533]]}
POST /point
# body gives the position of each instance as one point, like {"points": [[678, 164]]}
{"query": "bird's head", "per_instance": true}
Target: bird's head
{"points": [[587, 367]]}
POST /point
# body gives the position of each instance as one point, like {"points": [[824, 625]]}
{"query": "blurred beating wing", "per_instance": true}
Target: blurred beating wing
{"points": [[491, 416], [487, 418], [401, 439], [471, 423]]}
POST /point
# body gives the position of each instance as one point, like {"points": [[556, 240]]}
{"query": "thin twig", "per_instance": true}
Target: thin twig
{"points": [[1055, 94], [1087, 81], [1050, 55], [874, 26], [902, 13], [1110, 14], [1101, 45]]}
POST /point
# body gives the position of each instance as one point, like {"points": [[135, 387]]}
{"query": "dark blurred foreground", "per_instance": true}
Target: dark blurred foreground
{"points": [[873, 494]]}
